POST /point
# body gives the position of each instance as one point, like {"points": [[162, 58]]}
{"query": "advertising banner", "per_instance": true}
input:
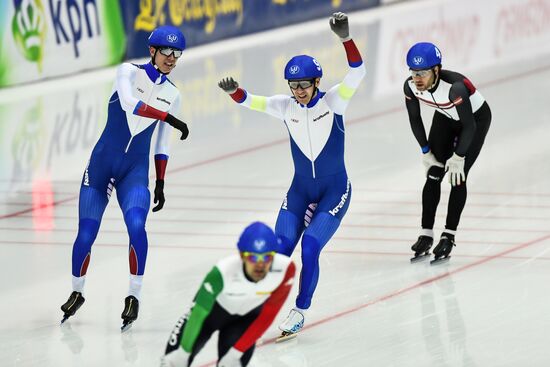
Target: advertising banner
{"points": [[46, 38], [470, 34], [207, 21]]}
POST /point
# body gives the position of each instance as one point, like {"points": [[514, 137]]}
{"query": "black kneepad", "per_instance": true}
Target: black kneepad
{"points": [[436, 173]]}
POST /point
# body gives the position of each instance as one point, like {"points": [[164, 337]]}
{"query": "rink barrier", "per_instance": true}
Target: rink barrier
{"points": [[207, 21]]}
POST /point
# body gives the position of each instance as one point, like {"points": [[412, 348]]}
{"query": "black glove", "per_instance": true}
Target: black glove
{"points": [[229, 85], [339, 25], [159, 195], [178, 124]]}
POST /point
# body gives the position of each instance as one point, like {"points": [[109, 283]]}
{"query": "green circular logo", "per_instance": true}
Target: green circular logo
{"points": [[29, 28]]}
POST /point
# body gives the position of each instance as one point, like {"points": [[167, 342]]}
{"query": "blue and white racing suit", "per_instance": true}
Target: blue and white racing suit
{"points": [[120, 159], [320, 182]]}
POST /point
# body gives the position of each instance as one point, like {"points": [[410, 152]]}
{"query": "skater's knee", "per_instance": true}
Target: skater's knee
{"points": [[87, 232], [435, 174], [311, 248], [135, 220], [288, 229], [285, 246], [322, 228]]}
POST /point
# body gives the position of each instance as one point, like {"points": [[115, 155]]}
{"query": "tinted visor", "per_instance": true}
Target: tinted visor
{"points": [[294, 84], [420, 73], [255, 257], [167, 51]]}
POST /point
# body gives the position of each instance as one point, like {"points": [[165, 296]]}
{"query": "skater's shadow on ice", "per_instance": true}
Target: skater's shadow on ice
{"points": [[71, 339], [129, 346], [443, 327]]}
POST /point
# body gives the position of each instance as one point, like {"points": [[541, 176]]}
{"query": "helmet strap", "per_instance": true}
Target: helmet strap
{"points": [[153, 61], [315, 90], [436, 79]]}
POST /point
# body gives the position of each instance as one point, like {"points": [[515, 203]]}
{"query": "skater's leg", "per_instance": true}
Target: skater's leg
{"points": [[92, 204], [134, 199], [458, 196], [316, 236], [328, 215], [288, 230], [290, 221], [93, 199], [441, 142], [231, 336], [431, 194]]}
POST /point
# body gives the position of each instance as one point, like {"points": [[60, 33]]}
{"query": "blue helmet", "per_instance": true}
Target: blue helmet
{"points": [[167, 36], [303, 67], [257, 237], [423, 55]]}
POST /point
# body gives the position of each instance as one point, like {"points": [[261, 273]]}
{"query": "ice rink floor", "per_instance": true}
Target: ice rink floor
{"points": [[489, 306]]}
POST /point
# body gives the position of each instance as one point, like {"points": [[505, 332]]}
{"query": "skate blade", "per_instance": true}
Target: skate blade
{"points": [[420, 258], [285, 336], [441, 260], [65, 318], [126, 326]]}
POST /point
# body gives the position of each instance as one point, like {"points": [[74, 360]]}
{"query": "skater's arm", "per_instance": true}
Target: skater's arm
{"points": [[210, 288], [460, 97], [415, 118], [123, 84], [270, 309], [338, 97], [274, 106], [165, 130], [162, 147]]}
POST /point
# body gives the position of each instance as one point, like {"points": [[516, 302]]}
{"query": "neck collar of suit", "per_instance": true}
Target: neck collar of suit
{"points": [[154, 74]]}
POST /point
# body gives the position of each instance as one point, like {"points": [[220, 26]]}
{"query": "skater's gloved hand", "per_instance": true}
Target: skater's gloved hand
{"points": [[339, 25], [229, 85], [231, 359], [177, 358], [455, 168], [159, 195], [428, 159], [178, 124]]}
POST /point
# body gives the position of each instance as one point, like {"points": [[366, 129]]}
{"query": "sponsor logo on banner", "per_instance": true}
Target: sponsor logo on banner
{"points": [[74, 20], [470, 36], [46, 38], [29, 29], [522, 24], [153, 13]]}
